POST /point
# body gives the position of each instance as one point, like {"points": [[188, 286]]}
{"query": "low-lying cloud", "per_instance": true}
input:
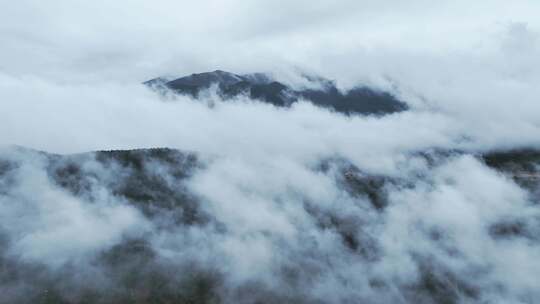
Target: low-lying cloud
{"points": [[257, 203]]}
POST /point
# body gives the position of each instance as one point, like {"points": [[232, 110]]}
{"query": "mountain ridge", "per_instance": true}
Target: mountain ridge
{"points": [[262, 87]]}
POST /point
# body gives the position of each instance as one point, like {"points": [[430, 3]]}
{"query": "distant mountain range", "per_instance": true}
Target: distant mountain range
{"points": [[259, 86]]}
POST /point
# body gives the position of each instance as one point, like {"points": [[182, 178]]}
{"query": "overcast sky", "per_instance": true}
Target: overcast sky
{"points": [[70, 81], [475, 64], [86, 41]]}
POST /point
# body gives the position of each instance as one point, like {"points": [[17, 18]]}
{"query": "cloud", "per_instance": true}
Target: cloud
{"points": [[481, 78], [54, 226], [280, 228], [276, 208]]}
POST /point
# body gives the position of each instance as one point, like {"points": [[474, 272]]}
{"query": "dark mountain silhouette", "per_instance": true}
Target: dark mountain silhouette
{"points": [[359, 100]]}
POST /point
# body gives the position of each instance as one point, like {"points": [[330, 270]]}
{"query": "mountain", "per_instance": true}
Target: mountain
{"points": [[259, 86], [142, 268]]}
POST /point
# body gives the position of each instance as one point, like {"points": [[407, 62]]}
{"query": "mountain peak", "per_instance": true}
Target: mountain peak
{"points": [[206, 79], [260, 86]]}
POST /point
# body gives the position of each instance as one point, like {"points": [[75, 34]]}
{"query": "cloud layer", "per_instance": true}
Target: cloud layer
{"points": [[279, 205]]}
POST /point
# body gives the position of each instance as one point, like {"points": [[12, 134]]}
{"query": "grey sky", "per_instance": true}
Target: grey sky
{"points": [[85, 41], [70, 81]]}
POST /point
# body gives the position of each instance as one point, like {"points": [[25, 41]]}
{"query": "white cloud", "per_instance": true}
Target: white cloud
{"points": [[70, 78]]}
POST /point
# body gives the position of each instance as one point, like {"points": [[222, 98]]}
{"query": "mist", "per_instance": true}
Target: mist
{"points": [[112, 192]]}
